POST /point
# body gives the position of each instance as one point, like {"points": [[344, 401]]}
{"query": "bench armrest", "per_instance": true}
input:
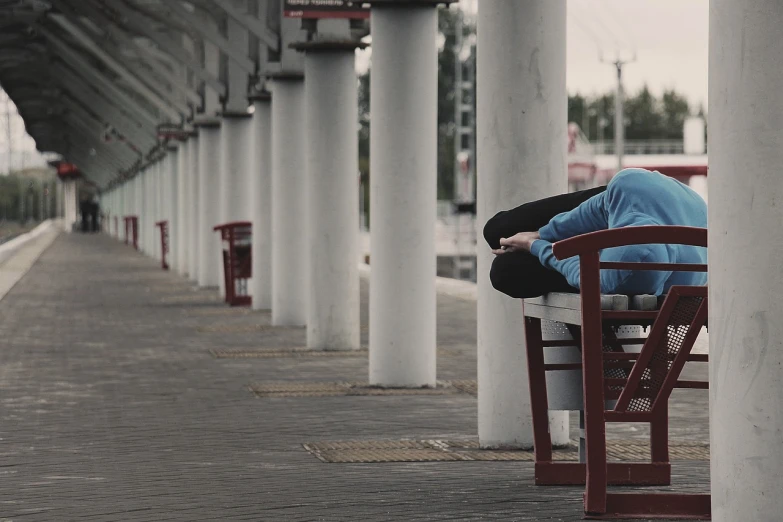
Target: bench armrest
{"points": [[642, 235]]}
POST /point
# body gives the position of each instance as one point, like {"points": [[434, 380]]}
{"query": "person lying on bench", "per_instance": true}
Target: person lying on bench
{"points": [[522, 238]]}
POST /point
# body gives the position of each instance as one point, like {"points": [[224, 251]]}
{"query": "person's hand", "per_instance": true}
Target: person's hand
{"points": [[516, 243]]}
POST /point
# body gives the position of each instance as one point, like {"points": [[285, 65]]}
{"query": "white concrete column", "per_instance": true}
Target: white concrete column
{"points": [[234, 185], [70, 203], [193, 214], [745, 238], [161, 169], [133, 198], [180, 241], [332, 200], [172, 204], [403, 192], [122, 192], [261, 205], [154, 243], [164, 197], [152, 210], [143, 206], [289, 221], [59, 198], [138, 207], [522, 138], [209, 272], [149, 227]]}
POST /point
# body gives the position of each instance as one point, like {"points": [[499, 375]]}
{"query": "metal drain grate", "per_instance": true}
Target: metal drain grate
{"points": [[169, 286], [247, 328], [235, 311], [468, 450], [302, 352], [337, 389], [284, 352], [466, 386], [195, 298]]}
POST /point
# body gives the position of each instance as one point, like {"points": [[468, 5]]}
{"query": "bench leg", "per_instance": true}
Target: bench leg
{"points": [[659, 437], [593, 388], [542, 441]]}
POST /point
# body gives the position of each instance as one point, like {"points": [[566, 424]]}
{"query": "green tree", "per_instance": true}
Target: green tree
{"points": [[579, 112], [675, 110], [646, 117], [643, 116]]}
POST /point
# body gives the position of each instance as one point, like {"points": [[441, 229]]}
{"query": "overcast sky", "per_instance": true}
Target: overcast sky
{"points": [[668, 37]]}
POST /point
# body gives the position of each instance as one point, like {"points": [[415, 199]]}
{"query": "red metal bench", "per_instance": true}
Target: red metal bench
{"points": [[237, 261], [619, 385], [164, 242], [132, 230]]}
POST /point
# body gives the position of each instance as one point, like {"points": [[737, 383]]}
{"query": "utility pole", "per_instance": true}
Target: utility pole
{"points": [[619, 114], [464, 150]]}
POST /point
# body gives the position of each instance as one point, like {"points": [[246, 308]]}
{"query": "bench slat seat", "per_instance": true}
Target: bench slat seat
{"points": [[567, 308]]}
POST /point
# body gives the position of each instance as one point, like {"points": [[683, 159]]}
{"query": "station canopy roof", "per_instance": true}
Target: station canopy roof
{"points": [[94, 79]]}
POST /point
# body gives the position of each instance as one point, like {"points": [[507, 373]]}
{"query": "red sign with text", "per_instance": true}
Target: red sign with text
{"points": [[325, 9]]}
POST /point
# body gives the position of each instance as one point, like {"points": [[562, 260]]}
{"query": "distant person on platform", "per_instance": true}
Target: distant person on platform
{"points": [[95, 215], [85, 209], [522, 238]]}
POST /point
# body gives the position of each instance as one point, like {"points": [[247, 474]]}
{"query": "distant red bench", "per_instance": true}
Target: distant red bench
{"points": [[237, 260], [164, 242], [619, 385], [132, 230]]}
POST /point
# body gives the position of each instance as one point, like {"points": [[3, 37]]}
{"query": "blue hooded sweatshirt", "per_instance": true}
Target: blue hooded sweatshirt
{"points": [[634, 197]]}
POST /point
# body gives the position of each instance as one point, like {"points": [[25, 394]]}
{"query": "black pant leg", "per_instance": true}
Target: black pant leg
{"points": [[520, 274], [533, 215]]}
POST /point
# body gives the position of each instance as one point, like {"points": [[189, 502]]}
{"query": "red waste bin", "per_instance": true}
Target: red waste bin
{"points": [[132, 230], [237, 260], [164, 242]]}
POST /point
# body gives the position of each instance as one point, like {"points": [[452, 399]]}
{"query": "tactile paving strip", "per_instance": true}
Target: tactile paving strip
{"points": [[284, 352], [468, 450], [303, 352], [246, 328], [466, 386], [235, 311], [191, 298], [337, 389]]}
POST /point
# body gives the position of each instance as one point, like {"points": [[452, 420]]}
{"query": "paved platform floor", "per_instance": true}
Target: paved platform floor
{"points": [[113, 409]]}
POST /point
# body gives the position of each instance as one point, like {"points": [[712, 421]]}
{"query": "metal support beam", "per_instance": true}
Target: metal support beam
{"points": [[97, 95], [110, 116], [88, 8], [139, 24], [211, 34], [92, 129], [117, 67], [249, 22], [82, 66], [121, 157], [236, 78]]}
